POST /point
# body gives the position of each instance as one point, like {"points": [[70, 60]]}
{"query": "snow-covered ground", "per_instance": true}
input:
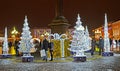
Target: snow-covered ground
{"points": [[99, 64]]}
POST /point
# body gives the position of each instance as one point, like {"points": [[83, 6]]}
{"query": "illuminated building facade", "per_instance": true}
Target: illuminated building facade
{"points": [[113, 30], [38, 32], [116, 30], [100, 31]]}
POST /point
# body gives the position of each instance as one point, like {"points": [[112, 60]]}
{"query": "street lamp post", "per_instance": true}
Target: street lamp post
{"points": [[14, 33]]}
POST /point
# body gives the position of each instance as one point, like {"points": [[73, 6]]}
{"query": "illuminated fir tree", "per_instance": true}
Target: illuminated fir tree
{"points": [[80, 42], [88, 39], [5, 43], [106, 36], [25, 44]]}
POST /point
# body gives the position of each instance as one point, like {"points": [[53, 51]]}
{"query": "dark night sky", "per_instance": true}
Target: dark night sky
{"points": [[41, 12]]}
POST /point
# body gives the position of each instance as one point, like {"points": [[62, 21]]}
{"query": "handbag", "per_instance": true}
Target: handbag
{"points": [[42, 53]]}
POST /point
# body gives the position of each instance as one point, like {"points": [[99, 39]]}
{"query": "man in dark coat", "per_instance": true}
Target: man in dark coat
{"points": [[17, 47], [93, 46], [101, 45], [45, 47]]}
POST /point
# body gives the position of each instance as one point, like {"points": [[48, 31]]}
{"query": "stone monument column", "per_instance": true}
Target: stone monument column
{"points": [[59, 23]]}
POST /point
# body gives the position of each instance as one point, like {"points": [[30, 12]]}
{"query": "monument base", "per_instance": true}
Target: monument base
{"points": [[79, 58], [5, 56], [107, 54], [27, 58]]}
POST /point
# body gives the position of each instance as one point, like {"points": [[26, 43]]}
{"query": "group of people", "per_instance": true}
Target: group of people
{"points": [[100, 44], [46, 46]]}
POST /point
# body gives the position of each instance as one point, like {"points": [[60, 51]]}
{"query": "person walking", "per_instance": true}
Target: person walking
{"points": [[17, 47], [93, 46], [45, 47], [101, 45]]}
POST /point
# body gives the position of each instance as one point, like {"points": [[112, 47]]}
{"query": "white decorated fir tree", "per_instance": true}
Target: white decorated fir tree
{"points": [[5, 43], [88, 39], [106, 36], [25, 44], [80, 42]]}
